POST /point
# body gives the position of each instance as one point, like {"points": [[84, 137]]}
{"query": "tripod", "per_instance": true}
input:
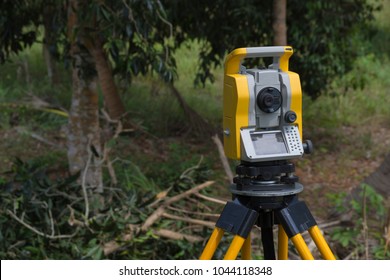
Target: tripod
{"points": [[266, 194]]}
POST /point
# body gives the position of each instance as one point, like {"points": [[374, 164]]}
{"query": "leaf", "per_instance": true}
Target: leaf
{"points": [[94, 253], [106, 14]]}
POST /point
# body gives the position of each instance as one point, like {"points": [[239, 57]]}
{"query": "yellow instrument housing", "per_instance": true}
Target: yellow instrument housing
{"points": [[236, 94]]}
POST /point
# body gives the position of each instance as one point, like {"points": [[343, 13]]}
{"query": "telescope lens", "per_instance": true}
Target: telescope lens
{"points": [[269, 99]]}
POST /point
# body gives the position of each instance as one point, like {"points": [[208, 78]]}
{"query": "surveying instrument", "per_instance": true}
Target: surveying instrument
{"points": [[262, 122]]}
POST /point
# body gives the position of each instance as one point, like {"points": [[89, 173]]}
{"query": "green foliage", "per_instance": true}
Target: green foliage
{"points": [[141, 36], [136, 35], [335, 34], [381, 251], [381, 39], [352, 106], [136, 179], [161, 115], [43, 218], [17, 21], [346, 237], [366, 211], [321, 33]]}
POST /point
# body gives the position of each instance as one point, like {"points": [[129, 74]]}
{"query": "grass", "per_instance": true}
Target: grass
{"points": [[354, 106]]}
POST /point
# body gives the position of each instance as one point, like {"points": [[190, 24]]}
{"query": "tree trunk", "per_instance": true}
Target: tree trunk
{"points": [[380, 179], [198, 126], [279, 22], [49, 43], [83, 137], [50, 64], [112, 100]]}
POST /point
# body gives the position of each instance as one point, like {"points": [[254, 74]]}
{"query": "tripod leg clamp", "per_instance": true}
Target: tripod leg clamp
{"points": [[296, 218], [237, 219]]}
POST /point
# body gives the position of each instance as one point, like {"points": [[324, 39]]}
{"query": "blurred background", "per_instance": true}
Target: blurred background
{"points": [[111, 120]]}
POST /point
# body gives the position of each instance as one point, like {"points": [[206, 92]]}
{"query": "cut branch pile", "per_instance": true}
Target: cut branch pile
{"points": [[162, 211]]}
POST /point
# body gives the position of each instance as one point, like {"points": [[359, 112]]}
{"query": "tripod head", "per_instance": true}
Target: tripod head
{"points": [[268, 184]]}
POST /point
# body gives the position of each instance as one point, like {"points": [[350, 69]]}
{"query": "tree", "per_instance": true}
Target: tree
{"points": [[136, 36], [126, 31], [83, 137], [15, 15], [322, 33], [53, 17], [133, 34], [279, 22]]}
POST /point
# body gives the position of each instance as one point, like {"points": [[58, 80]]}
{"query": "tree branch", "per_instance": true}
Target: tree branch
{"points": [[177, 236], [211, 199], [83, 184], [224, 160], [160, 210], [189, 220], [52, 236]]}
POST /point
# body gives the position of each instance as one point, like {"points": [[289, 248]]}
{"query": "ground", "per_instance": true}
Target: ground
{"points": [[338, 163]]}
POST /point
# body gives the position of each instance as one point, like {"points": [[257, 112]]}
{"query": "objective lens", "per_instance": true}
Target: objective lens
{"points": [[269, 99]]}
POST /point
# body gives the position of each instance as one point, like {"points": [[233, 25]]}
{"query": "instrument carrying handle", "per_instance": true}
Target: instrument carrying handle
{"points": [[280, 56]]}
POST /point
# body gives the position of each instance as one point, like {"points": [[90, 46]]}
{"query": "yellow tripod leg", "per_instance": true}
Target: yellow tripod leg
{"points": [[320, 241], [301, 247], [234, 248], [246, 249], [282, 244], [212, 244]]}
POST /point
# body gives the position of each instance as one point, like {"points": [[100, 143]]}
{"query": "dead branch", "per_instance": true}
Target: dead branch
{"points": [[152, 218], [199, 204], [197, 124], [189, 220], [387, 238], [51, 236], [111, 171], [177, 236], [354, 252], [387, 232], [224, 160], [329, 224], [160, 210], [193, 213], [190, 227], [83, 182], [107, 150], [188, 193], [188, 170], [211, 199], [112, 246], [72, 221], [23, 130], [40, 104], [160, 196], [364, 223]]}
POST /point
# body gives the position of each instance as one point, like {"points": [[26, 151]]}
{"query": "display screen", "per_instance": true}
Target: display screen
{"points": [[269, 143]]}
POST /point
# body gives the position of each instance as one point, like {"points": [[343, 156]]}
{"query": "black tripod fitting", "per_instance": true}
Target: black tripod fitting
{"points": [[266, 179], [265, 194]]}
